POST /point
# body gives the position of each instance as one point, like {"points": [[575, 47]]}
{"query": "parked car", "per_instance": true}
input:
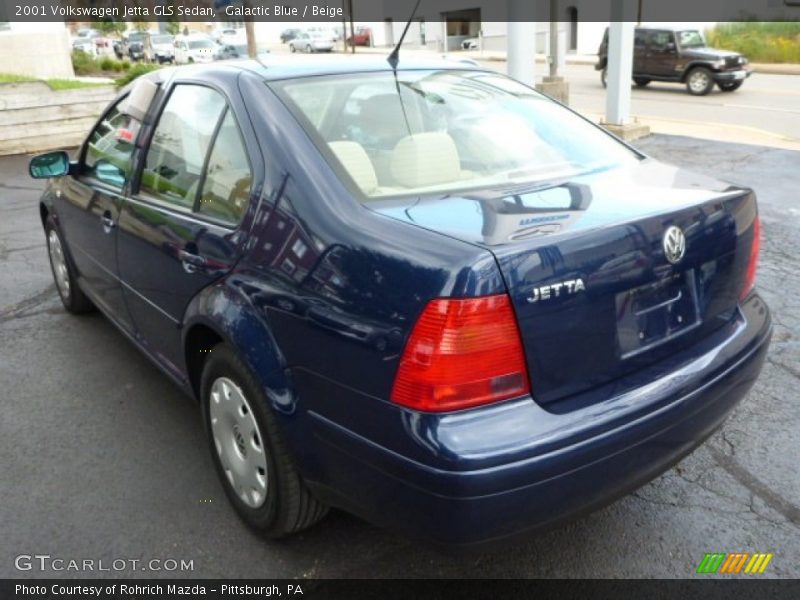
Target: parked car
{"points": [[311, 42], [226, 34], [289, 34], [136, 50], [682, 56], [228, 51], [159, 48], [361, 37], [432, 296], [84, 44], [122, 48], [194, 48]]}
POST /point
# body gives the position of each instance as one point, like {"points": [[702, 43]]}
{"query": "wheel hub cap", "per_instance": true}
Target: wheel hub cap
{"points": [[238, 442], [59, 263]]}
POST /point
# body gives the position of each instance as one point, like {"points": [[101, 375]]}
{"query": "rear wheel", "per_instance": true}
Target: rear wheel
{"points": [[699, 82], [730, 86], [641, 81], [72, 297], [309, 49], [251, 459], [292, 48], [603, 76]]}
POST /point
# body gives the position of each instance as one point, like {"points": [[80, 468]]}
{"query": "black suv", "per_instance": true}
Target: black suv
{"points": [[680, 55]]}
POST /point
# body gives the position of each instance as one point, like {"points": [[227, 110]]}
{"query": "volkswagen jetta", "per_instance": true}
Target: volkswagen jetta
{"points": [[430, 296]]}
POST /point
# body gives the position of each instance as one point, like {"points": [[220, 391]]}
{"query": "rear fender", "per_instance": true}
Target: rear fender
{"points": [[225, 309]]}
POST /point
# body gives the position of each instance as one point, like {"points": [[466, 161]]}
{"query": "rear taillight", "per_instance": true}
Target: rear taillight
{"points": [[462, 353], [752, 263]]}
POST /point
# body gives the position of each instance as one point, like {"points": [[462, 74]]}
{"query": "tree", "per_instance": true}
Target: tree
{"points": [[173, 27], [111, 27]]}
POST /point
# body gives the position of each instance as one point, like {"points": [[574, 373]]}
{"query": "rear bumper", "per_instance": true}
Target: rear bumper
{"points": [[483, 475]]}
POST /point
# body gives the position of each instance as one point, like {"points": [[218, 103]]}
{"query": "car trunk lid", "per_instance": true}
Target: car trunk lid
{"points": [[594, 292]]}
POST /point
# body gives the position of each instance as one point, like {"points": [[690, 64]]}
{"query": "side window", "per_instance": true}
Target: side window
{"points": [[226, 189], [640, 38], [174, 163], [108, 153], [660, 39]]}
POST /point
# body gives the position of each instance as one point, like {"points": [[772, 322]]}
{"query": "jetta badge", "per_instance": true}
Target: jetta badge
{"points": [[556, 290], [674, 244]]}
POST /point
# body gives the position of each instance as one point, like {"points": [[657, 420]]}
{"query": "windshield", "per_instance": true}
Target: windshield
{"points": [[440, 131], [195, 44], [690, 39], [161, 39]]}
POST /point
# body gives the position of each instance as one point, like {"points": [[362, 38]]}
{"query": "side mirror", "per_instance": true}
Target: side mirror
{"points": [[52, 164]]}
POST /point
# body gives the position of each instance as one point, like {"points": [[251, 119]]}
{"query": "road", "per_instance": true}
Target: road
{"points": [[765, 102], [103, 459]]}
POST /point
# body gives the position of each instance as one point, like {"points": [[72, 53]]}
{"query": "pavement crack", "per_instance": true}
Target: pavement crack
{"points": [[755, 486], [793, 372], [19, 309]]}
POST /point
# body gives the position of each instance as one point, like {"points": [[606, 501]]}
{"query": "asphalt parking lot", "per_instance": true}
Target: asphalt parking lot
{"points": [[102, 458]]}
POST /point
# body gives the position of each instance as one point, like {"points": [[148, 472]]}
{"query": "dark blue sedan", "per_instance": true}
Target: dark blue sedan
{"points": [[432, 296]]}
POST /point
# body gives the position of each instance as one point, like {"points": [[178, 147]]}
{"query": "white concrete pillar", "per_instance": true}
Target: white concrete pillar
{"points": [[620, 67], [521, 55]]}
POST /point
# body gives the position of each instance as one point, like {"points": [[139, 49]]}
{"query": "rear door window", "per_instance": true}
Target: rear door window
{"points": [[226, 188], [174, 165]]}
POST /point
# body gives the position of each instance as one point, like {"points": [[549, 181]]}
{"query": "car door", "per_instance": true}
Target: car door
{"points": [[640, 51], [179, 232], [662, 53], [89, 206]]}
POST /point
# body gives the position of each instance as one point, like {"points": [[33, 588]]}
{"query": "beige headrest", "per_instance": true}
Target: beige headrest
{"points": [[425, 159], [356, 162]]}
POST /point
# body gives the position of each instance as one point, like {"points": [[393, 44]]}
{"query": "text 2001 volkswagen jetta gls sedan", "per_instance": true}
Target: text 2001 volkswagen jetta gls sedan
{"points": [[432, 297]]}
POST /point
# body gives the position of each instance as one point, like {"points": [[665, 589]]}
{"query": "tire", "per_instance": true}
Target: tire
{"points": [[730, 86], [641, 81], [292, 48], [309, 49], [699, 81], [604, 77], [281, 504], [64, 273]]}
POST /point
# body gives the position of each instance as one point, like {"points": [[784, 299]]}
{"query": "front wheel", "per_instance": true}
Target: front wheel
{"points": [[72, 297], [309, 49], [292, 48], [641, 81], [603, 77], [258, 474], [730, 86], [699, 81]]}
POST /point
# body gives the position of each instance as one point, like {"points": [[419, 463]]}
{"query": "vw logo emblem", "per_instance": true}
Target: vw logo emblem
{"points": [[674, 244]]}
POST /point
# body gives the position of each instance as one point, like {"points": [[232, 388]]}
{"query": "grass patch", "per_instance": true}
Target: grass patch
{"points": [[56, 84], [766, 42]]}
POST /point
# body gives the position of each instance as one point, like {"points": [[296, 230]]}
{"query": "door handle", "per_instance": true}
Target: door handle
{"points": [[191, 262], [107, 221]]}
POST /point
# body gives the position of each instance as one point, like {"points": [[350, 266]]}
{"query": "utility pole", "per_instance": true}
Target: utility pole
{"points": [[352, 28], [249, 31], [553, 85]]}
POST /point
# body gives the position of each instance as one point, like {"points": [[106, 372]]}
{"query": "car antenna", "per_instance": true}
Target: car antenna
{"points": [[394, 57]]}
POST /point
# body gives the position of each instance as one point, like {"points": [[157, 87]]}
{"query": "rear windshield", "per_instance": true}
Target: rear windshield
{"points": [[430, 132]]}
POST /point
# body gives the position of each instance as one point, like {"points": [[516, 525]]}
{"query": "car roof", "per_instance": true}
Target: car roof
{"points": [[274, 67]]}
